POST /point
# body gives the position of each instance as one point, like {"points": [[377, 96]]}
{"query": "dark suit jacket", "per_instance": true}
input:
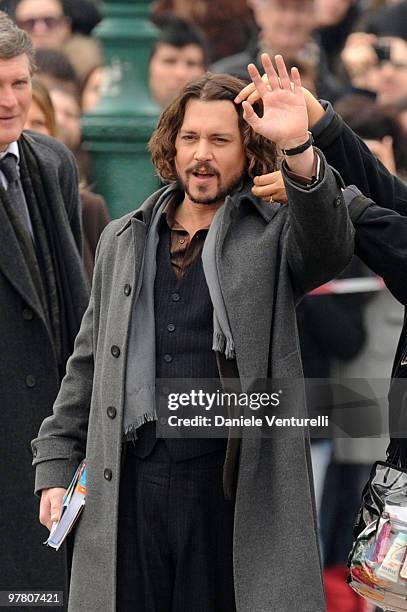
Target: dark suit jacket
{"points": [[29, 378], [380, 241]]}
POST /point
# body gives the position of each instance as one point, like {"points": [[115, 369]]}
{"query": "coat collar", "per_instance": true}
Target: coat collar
{"points": [[143, 214], [242, 196]]}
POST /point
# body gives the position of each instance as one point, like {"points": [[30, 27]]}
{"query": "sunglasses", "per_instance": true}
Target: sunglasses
{"points": [[50, 23]]}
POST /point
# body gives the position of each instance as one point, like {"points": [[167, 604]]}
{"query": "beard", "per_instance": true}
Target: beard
{"points": [[223, 190]]}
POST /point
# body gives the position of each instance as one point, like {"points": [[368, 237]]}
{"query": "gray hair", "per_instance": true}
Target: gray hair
{"points": [[14, 42]]}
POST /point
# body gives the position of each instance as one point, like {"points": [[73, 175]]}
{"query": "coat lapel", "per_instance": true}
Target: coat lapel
{"points": [[139, 233], [243, 264], [13, 266]]}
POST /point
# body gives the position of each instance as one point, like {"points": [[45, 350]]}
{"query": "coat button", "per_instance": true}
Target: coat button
{"points": [[171, 327], [30, 381], [107, 474], [167, 358], [111, 412], [27, 314], [175, 297], [338, 201], [115, 351], [127, 289]]}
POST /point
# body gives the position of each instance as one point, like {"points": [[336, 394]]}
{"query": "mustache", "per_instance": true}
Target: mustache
{"points": [[202, 167]]}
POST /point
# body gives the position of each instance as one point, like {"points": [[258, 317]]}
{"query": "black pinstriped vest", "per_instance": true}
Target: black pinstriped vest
{"points": [[184, 329]]}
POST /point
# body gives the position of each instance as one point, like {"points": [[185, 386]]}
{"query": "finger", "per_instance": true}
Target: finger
{"points": [[56, 503], [265, 193], [271, 73], [254, 97], [267, 179], [44, 512], [296, 80], [249, 115], [257, 80], [245, 93], [272, 189], [282, 72]]}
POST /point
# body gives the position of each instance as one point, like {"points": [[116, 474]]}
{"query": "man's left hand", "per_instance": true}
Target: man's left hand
{"points": [[285, 119]]}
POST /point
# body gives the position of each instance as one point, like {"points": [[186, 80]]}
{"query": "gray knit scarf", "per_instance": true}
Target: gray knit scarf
{"points": [[139, 401]]}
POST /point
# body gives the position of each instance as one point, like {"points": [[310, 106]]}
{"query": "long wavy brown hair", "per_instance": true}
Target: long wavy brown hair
{"points": [[260, 152]]}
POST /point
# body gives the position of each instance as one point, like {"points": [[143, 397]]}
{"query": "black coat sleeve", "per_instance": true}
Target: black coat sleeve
{"points": [[381, 242], [346, 152]]}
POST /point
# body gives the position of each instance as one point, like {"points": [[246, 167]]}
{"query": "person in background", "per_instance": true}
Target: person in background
{"points": [[214, 19], [55, 70], [400, 108], [84, 15], [44, 293], [91, 87], [95, 216], [178, 56], [68, 118], [377, 66], [391, 20], [45, 21], [285, 26], [379, 129], [41, 117], [84, 53], [335, 20]]}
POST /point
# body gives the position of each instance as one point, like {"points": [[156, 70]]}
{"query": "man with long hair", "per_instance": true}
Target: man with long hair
{"points": [[200, 282]]}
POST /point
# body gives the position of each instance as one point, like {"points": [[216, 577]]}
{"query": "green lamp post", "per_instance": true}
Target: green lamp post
{"points": [[116, 132]]}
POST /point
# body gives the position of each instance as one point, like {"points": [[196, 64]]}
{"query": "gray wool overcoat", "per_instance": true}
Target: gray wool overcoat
{"points": [[268, 255]]}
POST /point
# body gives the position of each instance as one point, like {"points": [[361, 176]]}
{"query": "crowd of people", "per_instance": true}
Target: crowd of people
{"points": [[352, 57]]}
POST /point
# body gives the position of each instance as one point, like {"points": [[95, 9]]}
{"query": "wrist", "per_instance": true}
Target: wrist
{"points": [[293, 151], [303, 163], [293, 143]]}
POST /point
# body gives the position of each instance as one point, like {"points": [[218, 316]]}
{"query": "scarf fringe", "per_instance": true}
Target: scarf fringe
{"points": [[224, 344], [130, 432], [218, 341]]}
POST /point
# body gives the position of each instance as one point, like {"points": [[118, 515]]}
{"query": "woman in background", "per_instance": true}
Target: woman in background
{"points": [[95, 215]]}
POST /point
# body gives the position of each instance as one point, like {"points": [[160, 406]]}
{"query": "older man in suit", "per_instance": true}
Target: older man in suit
{"points": [[43, 295]]}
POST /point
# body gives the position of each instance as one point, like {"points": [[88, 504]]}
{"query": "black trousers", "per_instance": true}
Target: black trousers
{"points": [[175, 535]]}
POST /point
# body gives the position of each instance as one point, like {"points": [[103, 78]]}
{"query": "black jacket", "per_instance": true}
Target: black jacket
{"points": [[29, 375], [380, 240]]}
